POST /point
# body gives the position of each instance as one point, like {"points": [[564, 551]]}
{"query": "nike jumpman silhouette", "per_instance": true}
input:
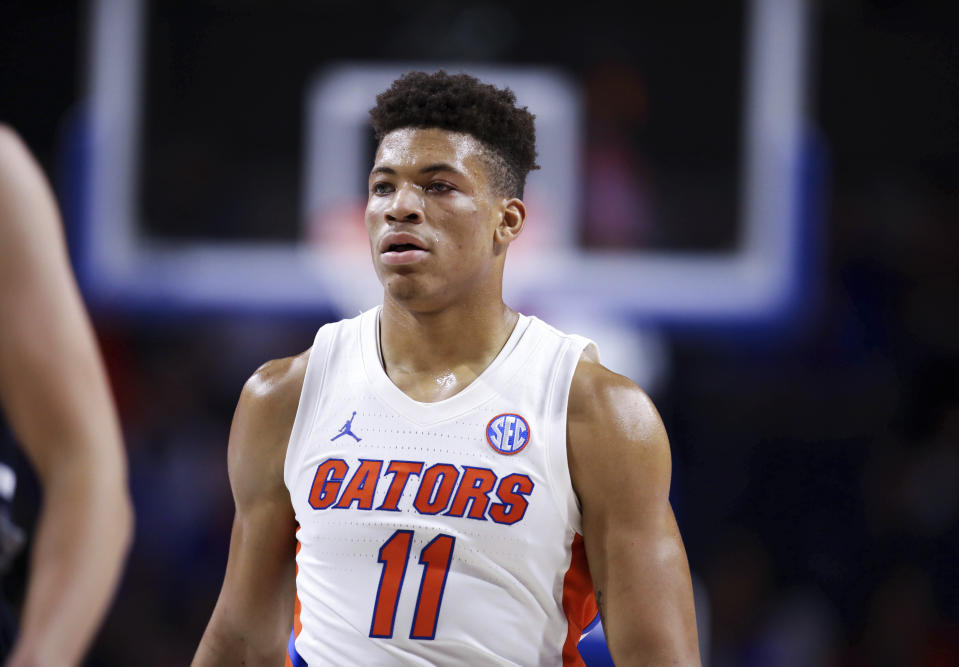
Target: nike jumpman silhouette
{"points": [[347, 429]]}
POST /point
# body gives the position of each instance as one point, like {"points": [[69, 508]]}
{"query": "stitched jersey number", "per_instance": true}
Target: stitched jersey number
{"points": [[395, 554]]}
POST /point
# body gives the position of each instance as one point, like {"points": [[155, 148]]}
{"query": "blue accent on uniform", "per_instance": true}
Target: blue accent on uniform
{"points": [[347, 429], [508, 433], [295, 658], [591, 626], [593, 648]]}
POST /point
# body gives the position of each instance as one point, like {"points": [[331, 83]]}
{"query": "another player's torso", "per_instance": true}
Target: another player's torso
{"points": [[433, 533]]}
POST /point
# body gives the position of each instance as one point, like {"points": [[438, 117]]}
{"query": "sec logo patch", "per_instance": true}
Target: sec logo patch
{"points": [[507, 433]]}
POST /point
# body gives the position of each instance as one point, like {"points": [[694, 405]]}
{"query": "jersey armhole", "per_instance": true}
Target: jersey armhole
{"points": [[557, 467], [307, 408]]}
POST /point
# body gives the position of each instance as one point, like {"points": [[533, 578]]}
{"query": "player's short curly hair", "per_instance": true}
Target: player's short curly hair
{"points": [[463, 103]]}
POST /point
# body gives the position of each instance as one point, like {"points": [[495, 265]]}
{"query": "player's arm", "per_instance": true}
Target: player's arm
{"points": [[55, 393], [253, 616], [620, 466]]}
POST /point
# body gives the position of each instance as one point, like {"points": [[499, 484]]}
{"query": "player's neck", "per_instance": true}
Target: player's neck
{"points": [[432, 356]]}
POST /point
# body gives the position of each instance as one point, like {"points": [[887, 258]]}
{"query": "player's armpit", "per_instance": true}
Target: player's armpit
{"points": [[620, 467], [254, 613]]}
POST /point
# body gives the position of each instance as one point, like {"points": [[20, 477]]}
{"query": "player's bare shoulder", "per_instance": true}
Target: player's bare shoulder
{"points": [[9, 140], [611, 421], [278, 382], [264, 417]]}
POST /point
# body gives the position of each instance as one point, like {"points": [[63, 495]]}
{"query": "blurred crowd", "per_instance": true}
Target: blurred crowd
{"points": [[819, 469]]}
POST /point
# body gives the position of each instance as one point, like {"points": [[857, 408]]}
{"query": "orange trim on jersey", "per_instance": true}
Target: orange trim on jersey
{"points": [[579, 602], [297, 625]]}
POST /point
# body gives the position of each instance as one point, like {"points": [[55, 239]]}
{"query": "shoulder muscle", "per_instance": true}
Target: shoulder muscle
{"points": [[614, 433], [620, 466], [261, 426]]}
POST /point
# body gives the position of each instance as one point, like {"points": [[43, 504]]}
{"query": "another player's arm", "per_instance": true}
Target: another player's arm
{"points": [[620, 466], [253, 616], [55, 393]]}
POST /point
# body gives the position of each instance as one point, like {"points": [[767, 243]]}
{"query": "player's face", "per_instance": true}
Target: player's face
{"points": [[432, 218]]}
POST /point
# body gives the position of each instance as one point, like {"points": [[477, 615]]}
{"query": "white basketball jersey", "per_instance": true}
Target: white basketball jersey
{"points": [[441, 533]]}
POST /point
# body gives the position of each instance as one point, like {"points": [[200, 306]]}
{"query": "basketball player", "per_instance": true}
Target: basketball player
{"points": [[54, 392], [456, 479]]}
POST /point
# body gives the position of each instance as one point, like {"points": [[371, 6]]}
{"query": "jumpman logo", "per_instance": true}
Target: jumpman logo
{"points": [[347, 429]]}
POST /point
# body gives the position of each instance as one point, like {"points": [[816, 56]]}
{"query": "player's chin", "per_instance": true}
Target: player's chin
{"points": [[414, 290], [398, 272], [400, 281]]}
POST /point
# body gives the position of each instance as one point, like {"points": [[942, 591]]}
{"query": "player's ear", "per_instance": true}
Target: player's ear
{"points": [[511, 221]]}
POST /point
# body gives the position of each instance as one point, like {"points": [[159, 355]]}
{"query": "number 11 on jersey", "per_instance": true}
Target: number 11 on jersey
{"points": [[435, 558]]}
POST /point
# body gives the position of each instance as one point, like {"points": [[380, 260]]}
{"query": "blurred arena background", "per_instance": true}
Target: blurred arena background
{"points": [[753, 206]]}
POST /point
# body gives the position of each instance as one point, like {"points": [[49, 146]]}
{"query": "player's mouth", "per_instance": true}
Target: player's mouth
{"points": [[402, 248]]}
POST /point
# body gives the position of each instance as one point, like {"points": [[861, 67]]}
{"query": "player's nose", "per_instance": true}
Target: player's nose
{"points": [[406, 205]]}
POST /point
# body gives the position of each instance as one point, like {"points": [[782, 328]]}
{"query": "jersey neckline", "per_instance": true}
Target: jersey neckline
{"points": [[474, 394]]}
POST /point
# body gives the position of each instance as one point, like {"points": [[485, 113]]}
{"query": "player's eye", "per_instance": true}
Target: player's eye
{"points": [[438, 186], [381, 188]]}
